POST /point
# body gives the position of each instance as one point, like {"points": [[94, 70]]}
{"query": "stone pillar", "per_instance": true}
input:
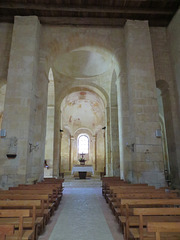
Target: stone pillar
{"points": [[94, 151], [60, 151], [49, 146], [145, 148], [71, 155], [109, 167], [114, 128], [57, 133], [104, 135], [37, 168], [20, 102], [123, 126]]}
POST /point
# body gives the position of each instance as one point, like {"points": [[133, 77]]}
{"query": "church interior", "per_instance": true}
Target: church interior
{"points": [[92, 85]]}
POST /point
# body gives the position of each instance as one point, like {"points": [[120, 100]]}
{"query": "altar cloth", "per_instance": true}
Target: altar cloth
{"points": [[83, 168]]}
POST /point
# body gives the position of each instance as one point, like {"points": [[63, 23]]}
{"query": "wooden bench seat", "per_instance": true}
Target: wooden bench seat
{"points": [[57, 195], [141, 232], [52, 197], [43, 211], [123, 186], [114, 190], [165, 230], [107, 180], [32, 222], [19, 234], [6, 230], [126, 217], [146, 195]]}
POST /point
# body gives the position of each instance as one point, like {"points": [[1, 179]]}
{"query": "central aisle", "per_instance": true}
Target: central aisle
{"points": [[82, 214], [82, 217]]}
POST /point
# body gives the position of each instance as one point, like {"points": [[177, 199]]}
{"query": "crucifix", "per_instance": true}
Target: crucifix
{"points": [[82, 154]]}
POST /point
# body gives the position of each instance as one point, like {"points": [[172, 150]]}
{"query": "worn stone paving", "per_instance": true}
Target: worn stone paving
{"points": [[82, 214]]}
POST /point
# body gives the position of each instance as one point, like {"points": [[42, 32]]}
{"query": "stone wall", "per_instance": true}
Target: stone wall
{"points": [[135, 58], [165, 81], [173, 32]]}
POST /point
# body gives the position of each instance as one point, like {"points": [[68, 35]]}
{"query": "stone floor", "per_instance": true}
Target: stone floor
{"points": [[82, 214]]}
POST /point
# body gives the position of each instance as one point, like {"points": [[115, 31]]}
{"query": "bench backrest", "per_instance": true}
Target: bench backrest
{"points": [[153, 212], [159, 227], [133, 202], [21, 213], [137, 190], [6, 230], [25, 204], [44, 198], [29, 191], [146, 195], [55, 189]]}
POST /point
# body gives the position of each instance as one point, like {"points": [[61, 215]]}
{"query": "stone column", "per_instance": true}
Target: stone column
{"points": [[109, 167], [93, 158], [37, 168], [71, 155], [20, 101], [145, 148], [95, 153], [114, 128], [123, 126], [115, 141], [49, 147], [93, 149], [57, 133]]}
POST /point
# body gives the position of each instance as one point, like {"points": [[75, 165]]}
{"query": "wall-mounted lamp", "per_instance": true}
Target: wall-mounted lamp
{"points": [[61, 130], [45, 164], [130, 146], [33, 147], [158, 133], [2, 133], [103, 128]]}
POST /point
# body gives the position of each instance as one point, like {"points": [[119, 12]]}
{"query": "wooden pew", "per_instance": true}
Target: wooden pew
{"points": [[51, 190], [28, 191], [20, 233], [126, 217], [139, 195], [6, 230], [164, 214], [56, 180], [106, 180], [57, 190], [57, 187], [42, 212], [123, 185], [33, 222], [164, 227], [59, 182], [114, 190]]}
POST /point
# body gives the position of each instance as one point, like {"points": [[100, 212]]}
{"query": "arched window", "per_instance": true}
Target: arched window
{"points": [[83, 144]]}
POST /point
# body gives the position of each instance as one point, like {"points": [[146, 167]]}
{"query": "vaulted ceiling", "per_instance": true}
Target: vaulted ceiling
{"points": [[91, 12]]}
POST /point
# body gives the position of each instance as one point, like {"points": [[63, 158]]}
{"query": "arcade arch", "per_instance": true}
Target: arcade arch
{"points": [[86, 68]]}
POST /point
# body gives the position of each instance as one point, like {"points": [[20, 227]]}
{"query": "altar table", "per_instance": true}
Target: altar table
{"points": [[82, 169]]}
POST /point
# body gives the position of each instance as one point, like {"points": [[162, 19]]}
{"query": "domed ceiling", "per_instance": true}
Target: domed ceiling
{"points": [[82, 63], [82, 110]]}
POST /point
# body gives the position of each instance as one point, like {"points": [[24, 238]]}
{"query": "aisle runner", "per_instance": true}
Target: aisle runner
{"points": [[82, 217]]}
